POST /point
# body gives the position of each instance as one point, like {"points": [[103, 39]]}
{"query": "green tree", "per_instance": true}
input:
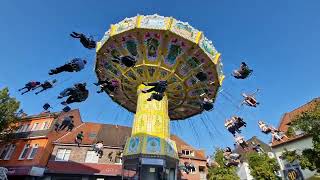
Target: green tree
{"points": [[309, 123], [8, 113], [262, 167], [221, 172]]}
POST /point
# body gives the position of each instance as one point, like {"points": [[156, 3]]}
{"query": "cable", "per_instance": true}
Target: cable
{"points": [[209, 131], [196, 133]]}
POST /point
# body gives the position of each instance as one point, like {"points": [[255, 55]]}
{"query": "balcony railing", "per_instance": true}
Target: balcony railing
{"points": [[30, 134]]}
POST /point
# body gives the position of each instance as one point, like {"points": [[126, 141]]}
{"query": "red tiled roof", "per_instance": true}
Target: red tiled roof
{"points": [[111, 135], [115, 135], [289, 117], [84, 168], [199, 154]]}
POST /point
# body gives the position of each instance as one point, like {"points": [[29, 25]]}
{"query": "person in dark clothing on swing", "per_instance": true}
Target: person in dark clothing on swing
{"points": [[238, 122], [75, 65], [70, 126], [87, 42], [243, 72], [201, 76], [46, 107], [46, 85], [29, 86], [231, 158], [107, 84], [78, 93], [128, 61], [66, 122], [230, 126], [159, 87], [241, 142], [66, 109], [207, 104]]}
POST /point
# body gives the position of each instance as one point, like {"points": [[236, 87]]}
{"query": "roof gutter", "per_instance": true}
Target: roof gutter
{"points": [[290, 140], [85, 145]]}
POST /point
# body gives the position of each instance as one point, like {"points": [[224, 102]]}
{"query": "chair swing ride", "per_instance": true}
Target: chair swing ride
{"points": [[161, 69]]}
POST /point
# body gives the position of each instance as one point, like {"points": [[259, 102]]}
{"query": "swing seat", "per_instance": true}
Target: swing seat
{"points": [[128, 61], [201, 76]]}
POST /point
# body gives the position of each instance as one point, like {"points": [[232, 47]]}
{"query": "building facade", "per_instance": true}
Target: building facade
{"points": [[191, 155], [70, 161], [299, 141], [37, 151], [27, 153]]}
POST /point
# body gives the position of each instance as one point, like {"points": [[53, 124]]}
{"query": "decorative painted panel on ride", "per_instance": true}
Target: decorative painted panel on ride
{"points": [[151, 116]]}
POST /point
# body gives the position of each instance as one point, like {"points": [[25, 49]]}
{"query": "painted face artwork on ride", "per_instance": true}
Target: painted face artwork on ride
{"points": [[190, 63], [115, 53], [152, 43], [131, 74], [131, 45], [151, 71], [174, 51], [111, 68]]}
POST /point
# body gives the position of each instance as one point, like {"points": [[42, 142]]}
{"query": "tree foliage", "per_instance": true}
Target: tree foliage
{"points": [[262, 167], [221, 171], [8, 112], [308, 158], [309, 122]]}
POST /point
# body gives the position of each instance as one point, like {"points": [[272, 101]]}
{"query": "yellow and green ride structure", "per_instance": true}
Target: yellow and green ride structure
{"points": [[165, 49]]}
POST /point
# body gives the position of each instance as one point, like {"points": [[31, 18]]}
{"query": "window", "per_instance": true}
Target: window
{"points": [[7, 152], [20, 129], [187, 152], [45, 125], [4, 151], [24, 152], [63, 155], [33, 151], [202, 169], [35, 127], [91, 157], [118, 158], [193, 170], [25, 128], [10, 152], [92, 135]]}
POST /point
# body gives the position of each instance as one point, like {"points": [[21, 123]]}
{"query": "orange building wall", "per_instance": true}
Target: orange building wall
{"points": [[37, 160], [45, 143], [40, 121]]}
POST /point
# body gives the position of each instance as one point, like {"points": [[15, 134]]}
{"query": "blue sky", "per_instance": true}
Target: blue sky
{"points": [[278, 39]]}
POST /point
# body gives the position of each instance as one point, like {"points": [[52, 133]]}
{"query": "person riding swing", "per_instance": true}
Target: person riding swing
{"points": [[243, 72], [87, 42], [159, 88]]}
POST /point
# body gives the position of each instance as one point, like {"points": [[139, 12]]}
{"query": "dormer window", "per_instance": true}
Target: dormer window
{"points": [[187, 152]]}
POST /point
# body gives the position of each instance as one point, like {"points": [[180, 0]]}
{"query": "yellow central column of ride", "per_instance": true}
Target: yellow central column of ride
{"points": [[151, 117]]}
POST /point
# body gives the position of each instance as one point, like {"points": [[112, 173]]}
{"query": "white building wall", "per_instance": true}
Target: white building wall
{"points": [[298, 145], [244, 172]]}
